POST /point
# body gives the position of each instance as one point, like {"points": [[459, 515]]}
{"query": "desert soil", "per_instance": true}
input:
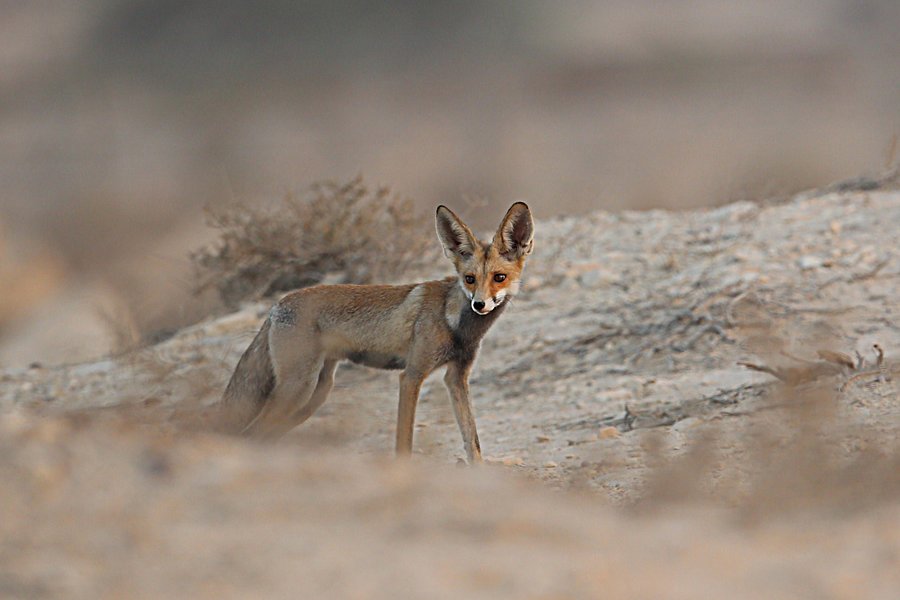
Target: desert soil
{"points": [[629, 454]]}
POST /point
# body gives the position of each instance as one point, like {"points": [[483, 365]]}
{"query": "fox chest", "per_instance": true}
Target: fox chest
{"points": [[468, 333]]}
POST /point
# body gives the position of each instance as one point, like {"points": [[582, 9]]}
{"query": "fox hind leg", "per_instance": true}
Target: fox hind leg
{"points": [[297, 367], [290, 392], [320, 394]]}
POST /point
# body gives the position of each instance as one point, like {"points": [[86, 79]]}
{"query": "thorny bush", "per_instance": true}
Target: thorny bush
{"points": [[348, 232]]}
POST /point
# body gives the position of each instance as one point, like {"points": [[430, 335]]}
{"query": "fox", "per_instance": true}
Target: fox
{"points": [[287, 372]]}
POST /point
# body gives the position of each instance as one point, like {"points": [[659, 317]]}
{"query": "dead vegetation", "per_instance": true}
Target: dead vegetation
{"points": [[347, 232], [830, 363], [797, 453]]}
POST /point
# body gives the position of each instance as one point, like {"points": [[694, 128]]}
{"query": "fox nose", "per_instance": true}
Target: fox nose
{"points": [[478, 305]]}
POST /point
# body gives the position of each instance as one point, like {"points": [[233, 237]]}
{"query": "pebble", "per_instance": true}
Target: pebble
{"points": [[610, 432], [597, 278], [506, 461], [835, 227], [617, 395], [535, 282], [686, 424], [809, 262]]}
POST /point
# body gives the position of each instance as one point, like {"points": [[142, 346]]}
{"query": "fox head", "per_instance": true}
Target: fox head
{"points": [[489, 273]]}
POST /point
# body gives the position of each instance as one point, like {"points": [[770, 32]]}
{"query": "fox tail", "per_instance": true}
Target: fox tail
{"points": [[250, 385]]}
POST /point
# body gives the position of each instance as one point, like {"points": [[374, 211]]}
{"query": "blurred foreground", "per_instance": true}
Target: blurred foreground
{"points": [[105, 509]]}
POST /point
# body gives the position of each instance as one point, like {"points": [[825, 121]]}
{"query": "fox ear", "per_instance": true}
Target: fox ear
{"points": [[515, 236], [455, 236]]}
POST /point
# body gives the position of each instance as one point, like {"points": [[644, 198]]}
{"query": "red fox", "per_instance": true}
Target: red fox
{"points": [[288, 370]]}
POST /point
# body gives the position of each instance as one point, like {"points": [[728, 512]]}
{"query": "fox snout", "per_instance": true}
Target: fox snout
{"points": [[483, 307]]}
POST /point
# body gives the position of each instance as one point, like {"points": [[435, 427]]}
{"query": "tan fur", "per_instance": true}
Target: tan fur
{"points": [[288, 370]]}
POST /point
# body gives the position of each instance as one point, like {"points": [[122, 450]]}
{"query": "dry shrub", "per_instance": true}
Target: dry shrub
{"points": [[803, 456], [122, 327], [346, 231]]}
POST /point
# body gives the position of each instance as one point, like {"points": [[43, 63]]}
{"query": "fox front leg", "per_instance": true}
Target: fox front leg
{"points": [[410, 384], [457, 381]]}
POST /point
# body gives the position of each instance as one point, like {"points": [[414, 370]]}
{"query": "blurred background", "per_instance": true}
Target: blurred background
{"points": [[121, 119]]}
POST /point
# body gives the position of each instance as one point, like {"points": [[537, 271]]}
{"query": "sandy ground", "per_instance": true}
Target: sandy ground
{"points": [[629, 455]]}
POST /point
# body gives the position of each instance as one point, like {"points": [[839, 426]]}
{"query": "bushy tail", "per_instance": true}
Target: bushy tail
{"points": [[250, 385]]}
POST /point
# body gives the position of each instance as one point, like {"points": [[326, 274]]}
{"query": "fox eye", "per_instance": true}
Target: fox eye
{"points": [[470, 279], [498, 277]]}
